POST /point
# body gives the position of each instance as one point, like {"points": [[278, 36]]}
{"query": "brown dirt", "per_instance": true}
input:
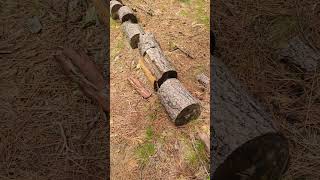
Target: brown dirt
{"points": [[132, 116], [44, 116], [244, 44]]}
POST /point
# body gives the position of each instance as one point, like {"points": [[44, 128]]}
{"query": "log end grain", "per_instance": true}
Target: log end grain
{"points": [[189, 113], [114, 8], [126, 14], [181, 106], [262, 158], [164, 77]]}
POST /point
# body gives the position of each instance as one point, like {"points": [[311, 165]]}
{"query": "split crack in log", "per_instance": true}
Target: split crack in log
{"points": [[155, 60]]}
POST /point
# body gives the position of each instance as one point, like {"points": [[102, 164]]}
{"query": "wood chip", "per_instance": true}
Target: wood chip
{"points": [[139, 87]]}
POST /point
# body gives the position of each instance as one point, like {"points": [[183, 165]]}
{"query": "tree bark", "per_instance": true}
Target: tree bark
{"points": [[299, 53], [114, 8], [132, 31], [147, 41], [181, 106], [159, 66], [126, 14], [245, 144]]}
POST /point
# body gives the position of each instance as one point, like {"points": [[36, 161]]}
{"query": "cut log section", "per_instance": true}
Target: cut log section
{"points": [[181, 106], [132, 32], [203, 79], [126, 14], [114, 8], [147, 41], [245, 144], [299, 53], [159, 66]]}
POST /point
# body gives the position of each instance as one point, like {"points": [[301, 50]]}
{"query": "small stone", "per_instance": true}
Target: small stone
{"points": [[34, 25]]}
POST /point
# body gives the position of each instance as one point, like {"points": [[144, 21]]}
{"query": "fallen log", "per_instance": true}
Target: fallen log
{"points": [[114, 8], [299, 53], [126, 14], [139, 87], [147, 41], [181, 106], [155, 60], [132, 32], [159, 66], [244, 144]]}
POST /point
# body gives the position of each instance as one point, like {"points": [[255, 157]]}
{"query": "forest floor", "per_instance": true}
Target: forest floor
{"points": [[249, 33], [145, 144]]}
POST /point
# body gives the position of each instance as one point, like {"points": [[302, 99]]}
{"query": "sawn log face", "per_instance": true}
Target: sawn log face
{"points": [[178, 102]]}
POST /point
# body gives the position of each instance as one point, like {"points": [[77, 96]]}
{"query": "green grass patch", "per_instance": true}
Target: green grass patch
{"points": [[202, 15], [152, 116], [113, 24], [116, 50], [149, 133], [147, 149], [197, 154], [184, 13]]}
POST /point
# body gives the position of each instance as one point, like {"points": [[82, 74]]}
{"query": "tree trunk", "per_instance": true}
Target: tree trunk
{"points": [[181, 106], [132, 31], [245, 144], [159, 66], [299, 53], [114, 8], [126, 14]]}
